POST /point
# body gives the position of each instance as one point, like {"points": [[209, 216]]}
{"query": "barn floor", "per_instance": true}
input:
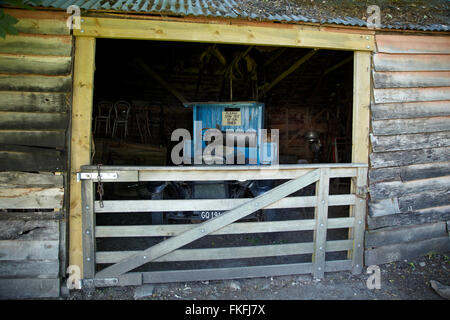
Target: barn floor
{"points": [[405, 280]]}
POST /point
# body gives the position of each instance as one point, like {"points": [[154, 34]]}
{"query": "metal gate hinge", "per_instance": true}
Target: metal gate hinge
{"points": [[94, 176]]}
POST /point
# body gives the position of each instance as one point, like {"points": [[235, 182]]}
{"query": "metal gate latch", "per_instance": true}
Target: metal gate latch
{"points": [[94, 176]]}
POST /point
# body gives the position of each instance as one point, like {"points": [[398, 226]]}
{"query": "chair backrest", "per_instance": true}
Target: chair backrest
{"points": [[122, 109], [105, 108]]}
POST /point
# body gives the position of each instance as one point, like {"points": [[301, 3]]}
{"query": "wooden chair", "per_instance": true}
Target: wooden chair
{"points": [[104, 109], [143, 125], [122, 111]]}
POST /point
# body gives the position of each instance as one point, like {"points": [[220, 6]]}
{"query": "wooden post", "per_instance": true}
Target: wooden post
{"points": [[80, 147], [359, 224], [361, 104], [361, 119], [88, 228], [321, 217]]}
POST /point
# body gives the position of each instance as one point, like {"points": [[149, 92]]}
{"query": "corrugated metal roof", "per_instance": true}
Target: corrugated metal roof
{"points": [[287, 11]]}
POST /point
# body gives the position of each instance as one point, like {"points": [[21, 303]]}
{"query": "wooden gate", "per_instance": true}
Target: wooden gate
{"points": [[121, 265]]}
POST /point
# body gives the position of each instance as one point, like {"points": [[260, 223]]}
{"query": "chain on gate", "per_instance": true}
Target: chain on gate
{"points": [[100, 189]]}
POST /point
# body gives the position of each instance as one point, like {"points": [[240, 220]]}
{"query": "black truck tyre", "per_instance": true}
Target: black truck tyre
{"points": [[157, 217]]}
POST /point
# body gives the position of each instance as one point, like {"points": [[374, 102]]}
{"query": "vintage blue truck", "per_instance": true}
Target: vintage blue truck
{"points": [[244, 142]]}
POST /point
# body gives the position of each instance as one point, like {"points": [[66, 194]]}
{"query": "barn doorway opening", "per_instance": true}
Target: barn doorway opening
{"points": [[307, 95], [142, 93]]}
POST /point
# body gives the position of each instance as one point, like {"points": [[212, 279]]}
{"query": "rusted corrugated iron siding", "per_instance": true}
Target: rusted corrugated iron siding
{"points": [[409, 179], [346, 13]]}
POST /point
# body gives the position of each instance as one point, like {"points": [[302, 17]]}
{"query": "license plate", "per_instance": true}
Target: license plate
{"points": [[206, 215]]}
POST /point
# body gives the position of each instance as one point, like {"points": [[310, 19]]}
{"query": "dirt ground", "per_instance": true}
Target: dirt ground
{"points": [[404, 280]]}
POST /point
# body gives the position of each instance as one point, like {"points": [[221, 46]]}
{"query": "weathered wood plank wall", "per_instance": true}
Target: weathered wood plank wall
{"points": [[409, 180], [35, 98], [30, 241], [35, 92]]}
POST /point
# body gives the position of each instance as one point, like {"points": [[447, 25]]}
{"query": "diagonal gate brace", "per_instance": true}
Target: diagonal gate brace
{"points": [[209, 226]]}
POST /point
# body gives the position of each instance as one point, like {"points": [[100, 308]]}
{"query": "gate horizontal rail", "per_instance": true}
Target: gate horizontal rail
{"points": [[219, 173], [229, 253], [123, 262], [236, 228], [213, 204]]}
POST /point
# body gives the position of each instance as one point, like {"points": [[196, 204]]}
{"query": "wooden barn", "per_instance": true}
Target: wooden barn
{"points": [[88, 104]]}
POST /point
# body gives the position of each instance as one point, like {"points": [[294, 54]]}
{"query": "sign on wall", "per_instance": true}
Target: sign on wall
{"points": [[231, 118]]}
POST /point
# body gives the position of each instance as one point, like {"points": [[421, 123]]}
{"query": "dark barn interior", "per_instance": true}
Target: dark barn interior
{"points": [[303, 90]]}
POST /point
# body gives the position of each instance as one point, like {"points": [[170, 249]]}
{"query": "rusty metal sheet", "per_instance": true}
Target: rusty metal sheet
{"points": [[257, 10]]}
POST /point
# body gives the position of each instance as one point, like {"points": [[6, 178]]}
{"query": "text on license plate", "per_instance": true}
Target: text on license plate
{"points": [[210, 214]]}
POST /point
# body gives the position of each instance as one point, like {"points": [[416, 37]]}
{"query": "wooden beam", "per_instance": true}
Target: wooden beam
{"points": [[274, 57], [228, 73], [229, 68], [81, 139], [360, 133], [158, 78], [361, 107], [284, 36], [337, 65], [267, 87], [209, 226]]}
